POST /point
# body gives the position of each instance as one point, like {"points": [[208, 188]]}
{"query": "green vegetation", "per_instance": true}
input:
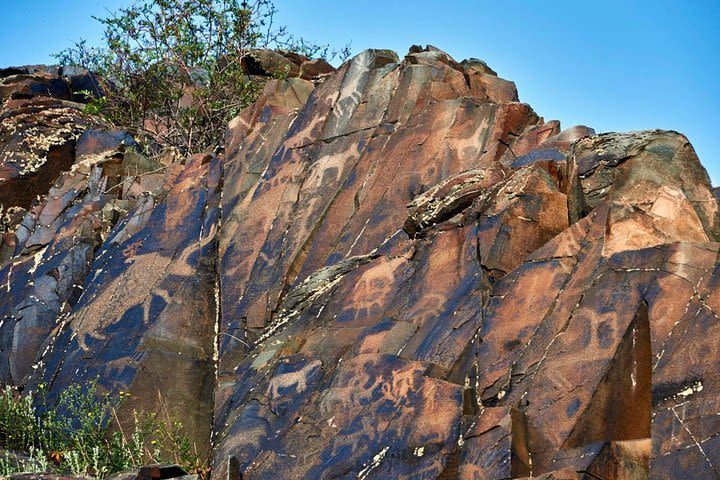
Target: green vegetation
{"points": [[172, 69], [81, 435]]}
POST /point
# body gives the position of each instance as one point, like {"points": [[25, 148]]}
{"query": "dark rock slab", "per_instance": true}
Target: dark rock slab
{"points": [[411, 430], [664, 173], [495, 446], [161, 472], [37, 143], [326, 191], [144, 323], [412, 300]]}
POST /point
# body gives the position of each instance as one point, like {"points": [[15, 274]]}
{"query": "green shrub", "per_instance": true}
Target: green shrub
{"points": [[157, 52], [18, 425], [81, 435]]}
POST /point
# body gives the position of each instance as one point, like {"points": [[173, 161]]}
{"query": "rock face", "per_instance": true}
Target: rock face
{"points": [[395, 270]]}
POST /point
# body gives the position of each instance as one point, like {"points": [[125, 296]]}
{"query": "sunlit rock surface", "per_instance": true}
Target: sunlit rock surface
{"points": [[396, 269]]}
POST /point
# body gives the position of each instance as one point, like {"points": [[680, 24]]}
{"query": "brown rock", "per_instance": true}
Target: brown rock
{"points": [[310, 69], [655, 167], [37, 143], [284, 64], [161, 472], [36, 84], [144, 321], [396, 271], [338, 202], [495, 446], [621, 460]]}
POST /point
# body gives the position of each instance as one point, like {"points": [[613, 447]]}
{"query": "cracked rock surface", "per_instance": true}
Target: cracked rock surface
{"points": [[396, 269]]}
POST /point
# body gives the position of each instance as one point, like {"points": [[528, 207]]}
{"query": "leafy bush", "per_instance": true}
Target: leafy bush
{"points": [[18, 425], [82, 435], [173, 68]]}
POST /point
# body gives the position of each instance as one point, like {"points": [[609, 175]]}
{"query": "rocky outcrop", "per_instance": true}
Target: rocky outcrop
{"points": [[109, 259], [111, 214], [264, 62], [395, 270]]}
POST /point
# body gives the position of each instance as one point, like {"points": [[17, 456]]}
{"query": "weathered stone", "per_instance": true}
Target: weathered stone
{"points": [[384, 306], [414, 431], [84, 84], [68, 83], [98, 141], [555, 148], [54, 245], [144, 321], [312, 69], [655, 171], [37, 143], [449, 198], [284, 64], [564, 474], [495, 446], [161, 472], [37, 84], [396, 270], [578, 384], [620, 460], [335, 197], [48, 245]]}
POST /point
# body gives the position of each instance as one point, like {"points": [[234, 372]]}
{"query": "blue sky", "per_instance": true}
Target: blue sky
{"points": [[612, 65]]}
